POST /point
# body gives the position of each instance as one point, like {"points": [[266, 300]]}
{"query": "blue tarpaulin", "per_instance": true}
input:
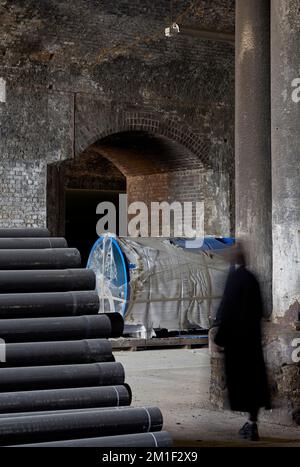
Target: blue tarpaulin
{"points": [[209, 243]]}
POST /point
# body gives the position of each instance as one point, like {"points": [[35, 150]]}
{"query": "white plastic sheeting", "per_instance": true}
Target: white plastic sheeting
{"points": [[167, 287]]}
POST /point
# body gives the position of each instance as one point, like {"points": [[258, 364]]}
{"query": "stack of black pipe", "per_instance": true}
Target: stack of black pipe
{"points": [[59, 382]]}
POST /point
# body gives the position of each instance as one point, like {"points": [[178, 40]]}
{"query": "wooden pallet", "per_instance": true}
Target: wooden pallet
{"points": [[133, 344]]}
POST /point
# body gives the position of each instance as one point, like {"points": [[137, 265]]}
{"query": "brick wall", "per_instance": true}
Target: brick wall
{"points": [[78, 71], [22, 201], [192, 185]]}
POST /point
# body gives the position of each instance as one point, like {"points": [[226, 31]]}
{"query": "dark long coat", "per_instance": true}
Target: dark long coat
{"points": [[239, 320]]}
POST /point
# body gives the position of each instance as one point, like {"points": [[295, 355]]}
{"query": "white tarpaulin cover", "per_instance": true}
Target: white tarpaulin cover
{"points": [[157, 285]]}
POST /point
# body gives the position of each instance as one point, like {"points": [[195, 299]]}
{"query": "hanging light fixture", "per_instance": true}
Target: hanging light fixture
{"points": [[172, 30]]}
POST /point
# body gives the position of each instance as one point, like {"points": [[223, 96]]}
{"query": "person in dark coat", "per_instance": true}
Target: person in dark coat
{"points": [[239, 334]]}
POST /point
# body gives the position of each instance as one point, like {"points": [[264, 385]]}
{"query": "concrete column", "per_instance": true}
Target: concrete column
{"points": [[285, 62], [252, 137]]}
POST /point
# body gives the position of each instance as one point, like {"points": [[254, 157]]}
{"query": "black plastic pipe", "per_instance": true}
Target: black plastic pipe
{"points": [[158, 439], [32, 243], [47, 280], [61, 376], [48, 258], [57, 353], [48, 304], [70, 398], [59, 426], [61, 328], [26, 232], [53, 412]]}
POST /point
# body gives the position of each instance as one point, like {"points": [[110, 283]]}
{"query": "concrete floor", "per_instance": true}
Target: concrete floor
{"points": [[177, 381]]}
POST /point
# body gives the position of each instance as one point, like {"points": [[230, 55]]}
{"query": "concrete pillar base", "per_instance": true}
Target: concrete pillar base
{"points": [[283, 371]]}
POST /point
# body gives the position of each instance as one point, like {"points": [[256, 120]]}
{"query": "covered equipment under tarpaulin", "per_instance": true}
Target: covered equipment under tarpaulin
{"points": [[155, 284]]}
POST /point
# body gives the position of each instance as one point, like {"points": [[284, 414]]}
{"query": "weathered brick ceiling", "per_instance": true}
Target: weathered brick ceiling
{"points": [[140, 153], [92, 164], [131, 154], [95, 30], [78, 65]]}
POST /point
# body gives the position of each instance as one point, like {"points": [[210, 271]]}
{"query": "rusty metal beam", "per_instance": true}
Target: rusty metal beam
{"points": [[207, 35]]}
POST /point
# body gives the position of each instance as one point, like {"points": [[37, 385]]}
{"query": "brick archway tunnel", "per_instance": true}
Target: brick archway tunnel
{"points": [[149, 168]]}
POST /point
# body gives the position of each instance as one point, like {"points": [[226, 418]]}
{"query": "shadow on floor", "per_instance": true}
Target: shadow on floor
{"points": [[264, 442]]}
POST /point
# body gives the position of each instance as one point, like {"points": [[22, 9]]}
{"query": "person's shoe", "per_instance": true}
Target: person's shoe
{"points": [[249, 431]]}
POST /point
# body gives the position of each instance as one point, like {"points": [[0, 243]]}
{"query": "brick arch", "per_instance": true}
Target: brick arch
{"points": [[157, 124]]}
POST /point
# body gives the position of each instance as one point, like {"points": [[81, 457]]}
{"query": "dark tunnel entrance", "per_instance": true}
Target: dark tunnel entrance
{"points": [[75, 188], [81, 217]]}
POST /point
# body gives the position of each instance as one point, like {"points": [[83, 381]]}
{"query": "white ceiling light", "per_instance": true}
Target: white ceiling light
{"points": [[173, 30]]}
